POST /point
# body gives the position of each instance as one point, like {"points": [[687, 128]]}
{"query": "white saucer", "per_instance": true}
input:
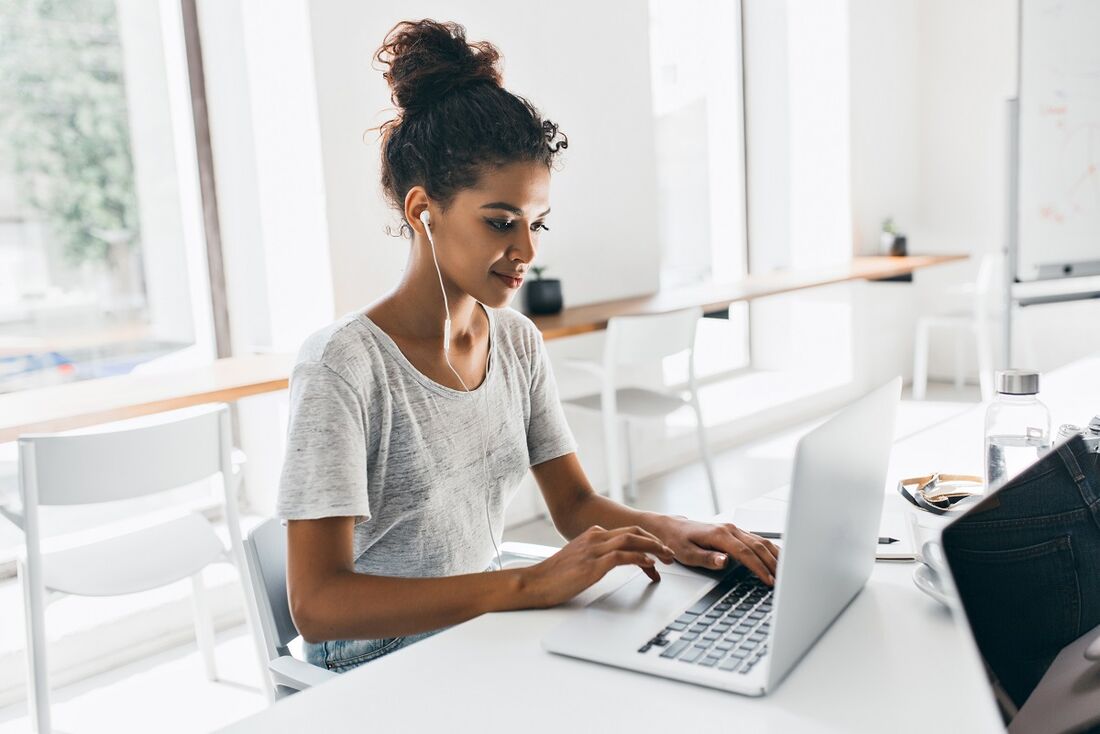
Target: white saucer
{"points": [[928, 581]]}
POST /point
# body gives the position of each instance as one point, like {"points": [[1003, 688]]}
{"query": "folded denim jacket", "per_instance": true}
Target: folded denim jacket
{"points": [[1026, 563]]}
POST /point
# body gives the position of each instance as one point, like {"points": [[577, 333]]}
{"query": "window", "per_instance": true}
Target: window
{"points": [[101, 259]]}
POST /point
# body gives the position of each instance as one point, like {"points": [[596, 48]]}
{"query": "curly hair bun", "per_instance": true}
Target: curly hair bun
{"points": [[425, 60]]}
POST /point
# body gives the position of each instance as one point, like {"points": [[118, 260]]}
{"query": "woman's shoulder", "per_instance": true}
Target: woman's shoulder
{"points": [[346, 347], [514, 323], [518, 330]]}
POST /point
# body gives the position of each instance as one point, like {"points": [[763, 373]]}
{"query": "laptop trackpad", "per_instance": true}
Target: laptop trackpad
{"points": [[667, 597]]}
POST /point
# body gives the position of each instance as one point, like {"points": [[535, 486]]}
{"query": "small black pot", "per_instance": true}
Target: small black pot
{"points": [[900, 247], [542, 297]]}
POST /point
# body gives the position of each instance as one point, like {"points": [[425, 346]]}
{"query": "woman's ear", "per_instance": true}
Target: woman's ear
{"points": [[416, 202]]}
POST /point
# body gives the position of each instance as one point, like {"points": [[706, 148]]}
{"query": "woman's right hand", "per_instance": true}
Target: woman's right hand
{"points": [[586, 559]]}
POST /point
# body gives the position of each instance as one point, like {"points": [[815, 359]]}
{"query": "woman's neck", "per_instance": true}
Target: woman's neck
{"points": [[415, 309]]}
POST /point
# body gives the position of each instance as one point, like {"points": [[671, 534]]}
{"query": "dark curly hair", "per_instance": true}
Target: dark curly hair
{"points": [[454, 119]]}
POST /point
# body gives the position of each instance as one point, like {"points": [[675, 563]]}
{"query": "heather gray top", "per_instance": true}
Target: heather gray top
{"points": [[370, 436]]}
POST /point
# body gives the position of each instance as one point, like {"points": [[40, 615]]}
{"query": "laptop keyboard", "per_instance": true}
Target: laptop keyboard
{"points": [[727, 628]]}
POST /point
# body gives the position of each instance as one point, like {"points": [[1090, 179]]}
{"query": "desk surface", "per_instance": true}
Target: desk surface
{"points": [[90, 402], [863, 675], [715, 296]]}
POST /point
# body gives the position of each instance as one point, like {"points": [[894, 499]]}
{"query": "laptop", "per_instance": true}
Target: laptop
{"points": [[726, 629]]}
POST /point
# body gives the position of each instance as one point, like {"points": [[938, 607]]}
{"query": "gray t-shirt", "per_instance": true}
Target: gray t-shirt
{"points": [[370, 436]]}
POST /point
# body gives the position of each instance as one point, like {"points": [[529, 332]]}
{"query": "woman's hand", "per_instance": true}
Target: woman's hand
{"points": [[586, 559], [710, 546]]}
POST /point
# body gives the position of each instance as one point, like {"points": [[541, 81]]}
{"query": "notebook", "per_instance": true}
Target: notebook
{"points": [[770, 519]]}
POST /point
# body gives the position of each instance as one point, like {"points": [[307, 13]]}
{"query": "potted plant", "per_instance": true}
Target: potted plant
{"points": [[542, 296], [892, 242]]}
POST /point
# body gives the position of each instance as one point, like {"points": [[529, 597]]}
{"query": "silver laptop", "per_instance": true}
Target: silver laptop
{"points": [[727, 630]]}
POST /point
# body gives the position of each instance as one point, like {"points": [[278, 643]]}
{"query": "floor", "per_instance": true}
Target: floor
{"points": [[170, 688]]}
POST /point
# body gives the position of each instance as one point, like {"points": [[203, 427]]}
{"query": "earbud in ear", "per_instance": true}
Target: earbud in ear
{"points": [[426, 218]]}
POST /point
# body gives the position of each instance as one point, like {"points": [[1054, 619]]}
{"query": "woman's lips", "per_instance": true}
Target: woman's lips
{"points": [[509, 281]]}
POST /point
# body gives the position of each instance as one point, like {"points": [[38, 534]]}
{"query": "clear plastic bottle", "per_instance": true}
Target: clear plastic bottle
{"points": [[1017, 427]]}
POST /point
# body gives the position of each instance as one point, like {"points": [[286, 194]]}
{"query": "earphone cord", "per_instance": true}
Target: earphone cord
{"points": [[484, 418]]}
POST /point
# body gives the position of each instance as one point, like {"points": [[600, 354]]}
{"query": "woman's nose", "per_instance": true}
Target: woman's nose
{"points": [[524, 249]]}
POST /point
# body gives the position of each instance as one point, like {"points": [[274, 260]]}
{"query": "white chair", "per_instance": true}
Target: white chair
{"points": [[978, 321], [265, 551], [634, 340], [87, 468]]}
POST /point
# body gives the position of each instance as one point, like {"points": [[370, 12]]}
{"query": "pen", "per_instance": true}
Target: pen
{"points": [[776, 536]]}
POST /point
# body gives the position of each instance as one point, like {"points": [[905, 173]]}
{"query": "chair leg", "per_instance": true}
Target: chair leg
{"points": [[704, 452], [920, 362], [38, 683], [611, 446], [960, 348], [204, 626], [631, 472]]}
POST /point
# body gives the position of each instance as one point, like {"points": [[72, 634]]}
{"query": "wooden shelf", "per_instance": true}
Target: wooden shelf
{"points": [[89, 402], [717, 296]]}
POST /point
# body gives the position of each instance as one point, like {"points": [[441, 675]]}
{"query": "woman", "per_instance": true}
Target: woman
{"points": [[413, 421]]}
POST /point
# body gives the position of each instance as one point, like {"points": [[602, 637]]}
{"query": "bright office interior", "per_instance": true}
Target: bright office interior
{"points": [[708, 142]]}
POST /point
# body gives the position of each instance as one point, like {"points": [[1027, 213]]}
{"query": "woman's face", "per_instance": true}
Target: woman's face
{"points": [[488, 237]]}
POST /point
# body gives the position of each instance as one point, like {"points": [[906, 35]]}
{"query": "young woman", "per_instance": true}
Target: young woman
{"points": [[408, 435]]}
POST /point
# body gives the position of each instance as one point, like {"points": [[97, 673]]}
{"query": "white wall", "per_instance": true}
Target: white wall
{"points": [[884, 117]]}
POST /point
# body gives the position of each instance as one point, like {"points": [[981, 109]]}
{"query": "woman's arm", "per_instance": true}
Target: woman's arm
{"points": [[574, 506], [330, 601]]}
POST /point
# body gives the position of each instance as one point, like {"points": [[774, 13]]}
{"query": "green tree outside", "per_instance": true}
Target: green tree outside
{"points": [[64, 125]]}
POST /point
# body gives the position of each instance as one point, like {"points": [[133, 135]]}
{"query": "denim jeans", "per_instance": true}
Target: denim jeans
{"points": [[1026, 562], [343, 655]]}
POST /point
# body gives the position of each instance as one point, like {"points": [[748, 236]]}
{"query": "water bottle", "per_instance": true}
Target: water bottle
{"points": [[1017, 427]]}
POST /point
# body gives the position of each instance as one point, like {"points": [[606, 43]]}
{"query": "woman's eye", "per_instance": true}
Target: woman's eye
{"points": [[503, 225]]}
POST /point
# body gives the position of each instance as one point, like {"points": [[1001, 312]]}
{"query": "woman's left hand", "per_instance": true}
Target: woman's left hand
{"points": [[711, 546]]}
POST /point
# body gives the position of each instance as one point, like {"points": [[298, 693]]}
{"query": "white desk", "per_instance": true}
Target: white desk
{"points": [[881, 667]]}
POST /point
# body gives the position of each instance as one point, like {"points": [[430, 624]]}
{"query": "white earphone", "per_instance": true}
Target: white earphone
{"points": [[426, 219]]}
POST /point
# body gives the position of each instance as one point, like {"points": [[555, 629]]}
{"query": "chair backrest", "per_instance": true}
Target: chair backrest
{"points": [[649, 337], [265, 552], [86, 468]]}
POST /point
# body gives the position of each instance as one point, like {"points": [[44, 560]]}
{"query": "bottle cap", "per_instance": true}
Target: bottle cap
{"points": [[1017, 382]]}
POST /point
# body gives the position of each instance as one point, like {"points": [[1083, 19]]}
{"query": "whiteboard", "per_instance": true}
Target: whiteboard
{"points": [[1058, 204]]}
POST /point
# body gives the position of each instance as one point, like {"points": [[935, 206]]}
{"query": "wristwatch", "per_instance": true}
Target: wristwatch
{"points": [[927, 494]]}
